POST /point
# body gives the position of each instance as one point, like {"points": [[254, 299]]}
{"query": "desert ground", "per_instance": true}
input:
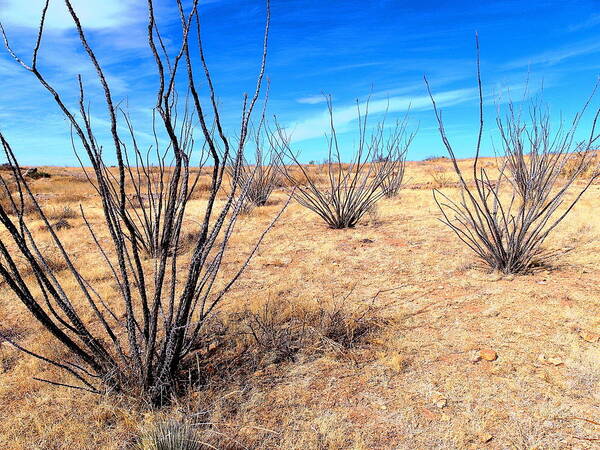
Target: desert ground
{"points": [[387, 335]]}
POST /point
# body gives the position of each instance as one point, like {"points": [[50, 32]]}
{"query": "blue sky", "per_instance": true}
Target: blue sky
{"points": [[349, 49]]}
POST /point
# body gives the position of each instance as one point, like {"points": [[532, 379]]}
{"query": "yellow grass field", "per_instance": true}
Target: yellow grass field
{"points": [[418, 313]]}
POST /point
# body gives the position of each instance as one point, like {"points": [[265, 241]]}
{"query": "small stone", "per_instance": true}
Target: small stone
{"points": [[491, 312], [554, 360], [429, 414], [485, 437], [589, 336], [474, 357], [439, 401], [488, 354]]}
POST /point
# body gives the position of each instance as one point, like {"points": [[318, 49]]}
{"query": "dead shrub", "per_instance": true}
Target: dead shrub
{"points": [[258, 178], [72, 198], [280, 330], [61, 224], [203, 187], [35, 174], [186, 242], [7, 360], [440, 177], [373, 215], [8, 356], [53, 259], [235, 347], [10, 200], [277, 334], [62, 213], [581, 165], [435, 158]]}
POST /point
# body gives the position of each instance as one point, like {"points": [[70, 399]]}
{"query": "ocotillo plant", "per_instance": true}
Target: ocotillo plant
{"points": [[137, 340], [506, 220]]}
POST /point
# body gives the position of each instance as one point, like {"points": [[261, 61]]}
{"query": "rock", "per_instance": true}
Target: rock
{"points": [[589, 336], [429, 414], [438, 400], [491, 312], [488, 354], [441, 402], [555, 361], [485, 437], [474, 357]]}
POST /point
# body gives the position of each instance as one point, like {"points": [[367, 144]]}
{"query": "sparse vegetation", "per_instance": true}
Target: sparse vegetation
{"points": [[133, 280], [279, 330], [408, 356], [441, 178]]}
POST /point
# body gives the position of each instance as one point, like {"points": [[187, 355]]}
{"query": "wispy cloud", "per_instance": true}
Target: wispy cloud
{"points": [[312, 100], [553, 57], [344, 48], [592, 21], [318, 125], [94, 14]]}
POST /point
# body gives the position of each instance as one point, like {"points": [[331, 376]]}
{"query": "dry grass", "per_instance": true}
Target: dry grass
{"points": [[337, 366], [589, 167]]}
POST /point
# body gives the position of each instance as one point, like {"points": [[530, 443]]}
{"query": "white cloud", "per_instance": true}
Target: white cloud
{"points": [[312, 100], [94, 14], [557, 56], [318, 125], [592, 21]]}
